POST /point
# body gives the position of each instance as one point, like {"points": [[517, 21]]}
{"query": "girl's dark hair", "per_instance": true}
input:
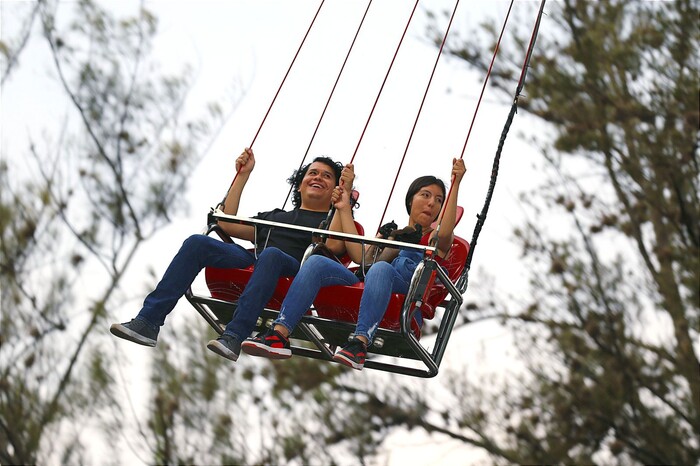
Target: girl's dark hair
{"points": [[418, 184], [298, 175]]}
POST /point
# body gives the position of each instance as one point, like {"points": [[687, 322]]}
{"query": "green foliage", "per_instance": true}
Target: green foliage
{"points": [[609, 331], [73, 214], [206, 409]]}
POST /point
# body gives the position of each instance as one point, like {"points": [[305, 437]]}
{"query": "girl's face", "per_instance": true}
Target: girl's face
{"points": [[426, 205]]}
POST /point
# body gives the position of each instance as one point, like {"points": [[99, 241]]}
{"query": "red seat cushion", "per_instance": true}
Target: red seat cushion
{"points": [[343, 302], [228, 284]]}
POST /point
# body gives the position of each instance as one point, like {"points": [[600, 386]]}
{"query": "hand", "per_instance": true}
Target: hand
{"points": [[340, 198], [347, 177], [408, 234], [386, 229], [246, 161], [458, 169]]}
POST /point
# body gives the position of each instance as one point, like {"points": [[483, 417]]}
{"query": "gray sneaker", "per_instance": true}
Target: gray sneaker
{"points": [[227, 346], [137, 330]]}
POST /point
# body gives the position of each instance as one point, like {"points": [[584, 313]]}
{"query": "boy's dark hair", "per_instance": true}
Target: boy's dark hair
{"points": [[418, 184], [298, 175]]}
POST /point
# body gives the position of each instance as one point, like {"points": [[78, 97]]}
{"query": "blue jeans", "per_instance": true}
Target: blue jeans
{"points": [[381, 280], [199, 251]]}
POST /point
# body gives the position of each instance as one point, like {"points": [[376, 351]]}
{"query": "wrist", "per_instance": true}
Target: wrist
{"points": [[243, 174]]}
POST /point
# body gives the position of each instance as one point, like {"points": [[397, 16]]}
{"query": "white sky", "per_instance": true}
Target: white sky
{"points": [[253, 42]]}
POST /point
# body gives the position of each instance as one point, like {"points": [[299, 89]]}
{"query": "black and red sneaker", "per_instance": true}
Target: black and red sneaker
{"points": [[271, 344], [353, 354]]}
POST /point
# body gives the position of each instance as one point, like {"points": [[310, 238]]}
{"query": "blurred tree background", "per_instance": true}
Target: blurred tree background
{"points": [[608, 333], [79, 202]]}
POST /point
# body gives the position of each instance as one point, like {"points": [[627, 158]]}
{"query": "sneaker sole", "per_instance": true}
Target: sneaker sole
{"points": [[259, 349], [348, 362], [120, 331], [218, 348]]}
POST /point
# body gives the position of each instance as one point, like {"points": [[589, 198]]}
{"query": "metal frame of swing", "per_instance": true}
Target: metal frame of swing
{"points": [[323, 335]]}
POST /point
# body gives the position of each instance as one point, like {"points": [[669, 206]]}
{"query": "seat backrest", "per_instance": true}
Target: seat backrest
{"points": [[457, 257], [454, 264], [228, 284], [459, 213]]}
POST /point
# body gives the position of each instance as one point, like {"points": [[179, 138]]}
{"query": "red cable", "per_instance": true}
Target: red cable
{"points": [[476, 110], [330, 96], [384, 82], [221, 204], [396, 52], [530, 47], [420, 109], [488, 74], [287, 74]]}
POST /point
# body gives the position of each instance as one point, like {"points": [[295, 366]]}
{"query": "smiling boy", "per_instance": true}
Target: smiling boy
{"points": [[279, 252]]}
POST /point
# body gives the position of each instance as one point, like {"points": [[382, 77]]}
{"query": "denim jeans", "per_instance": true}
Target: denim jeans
{"points": [[272, 264], [381, 280], [199, 251]]}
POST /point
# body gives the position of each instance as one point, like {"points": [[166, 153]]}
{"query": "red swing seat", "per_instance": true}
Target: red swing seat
{"points": [[343, 302], [317, 336], [228, 284]]}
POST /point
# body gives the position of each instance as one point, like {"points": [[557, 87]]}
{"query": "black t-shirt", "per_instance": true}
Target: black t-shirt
{"points": [[292, 242]]}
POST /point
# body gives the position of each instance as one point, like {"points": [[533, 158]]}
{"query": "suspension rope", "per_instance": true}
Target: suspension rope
{"points": [[330, 96], [221, 204], [420, 109], [476, 111], [481, 218], [331, 212], [488, 74], [287, 73], [384, 82]]}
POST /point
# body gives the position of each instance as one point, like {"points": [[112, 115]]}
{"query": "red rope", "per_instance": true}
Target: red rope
{"points": [[287, 73], [476, 110], [420, 109], [396, 52], [221, 204], [488, 74], [330, 96], [530, 47], [481, 217], [384, 82]]}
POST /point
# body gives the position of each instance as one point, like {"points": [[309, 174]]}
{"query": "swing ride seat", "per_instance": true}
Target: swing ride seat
{"points": [[228, 284], [342, 303], [330, 323]]}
